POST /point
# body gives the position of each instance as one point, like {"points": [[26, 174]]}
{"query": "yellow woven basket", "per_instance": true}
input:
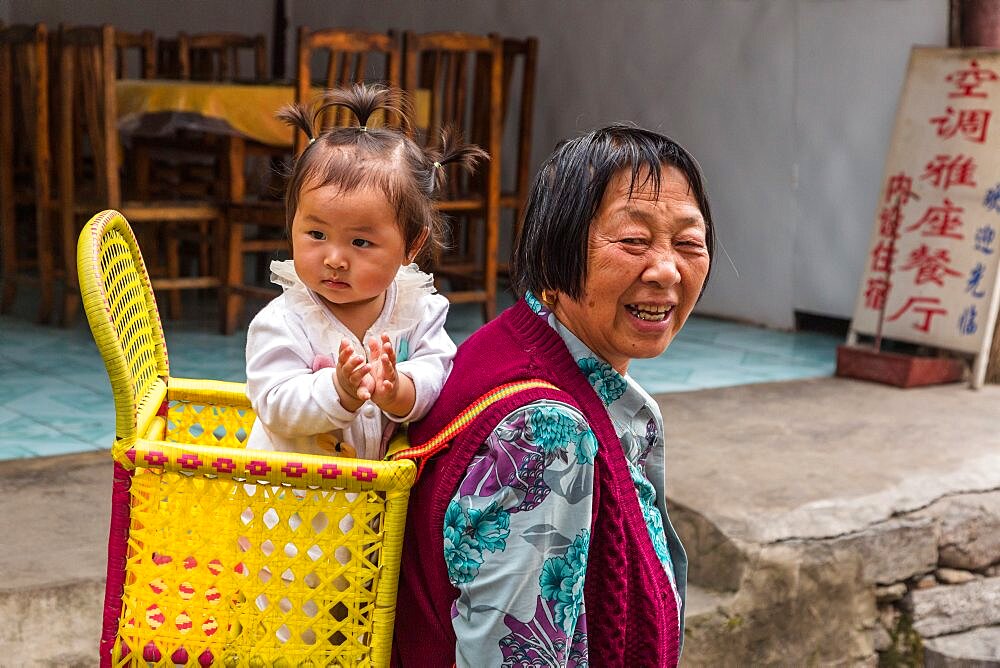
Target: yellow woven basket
{"points": [[220, 555]]}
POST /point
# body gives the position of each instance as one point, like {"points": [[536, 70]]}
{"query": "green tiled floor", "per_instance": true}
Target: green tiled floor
{"points": [[55, 398]]}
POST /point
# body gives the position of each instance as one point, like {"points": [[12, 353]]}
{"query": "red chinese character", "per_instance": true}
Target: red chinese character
{"points": [[882, 257], [888, 221], [931, 267], [944, 171], [899, 185], [918, 305], [966, 81], [875, 293], [972, 123], [940, 221]]}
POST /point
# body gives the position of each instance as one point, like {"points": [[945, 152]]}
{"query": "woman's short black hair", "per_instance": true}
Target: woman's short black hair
{"points": [[551, 250]]}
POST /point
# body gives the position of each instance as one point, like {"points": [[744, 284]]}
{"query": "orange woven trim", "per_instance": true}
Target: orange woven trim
{"points": [[465, 418]]}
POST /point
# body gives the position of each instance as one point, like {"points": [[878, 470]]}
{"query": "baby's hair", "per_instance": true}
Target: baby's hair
{"points": [[382, 157]]}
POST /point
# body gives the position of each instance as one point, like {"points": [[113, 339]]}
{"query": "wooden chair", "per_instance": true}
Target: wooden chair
{"points": [[194, 159], [464, 75], [216, 56], [91, 182], [325, 58], [344, 57], [519, 56], [172, 58], [143, 44], [24, 148]]}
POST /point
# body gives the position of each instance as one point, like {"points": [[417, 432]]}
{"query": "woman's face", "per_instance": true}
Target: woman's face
{"points": [[646, 264]]}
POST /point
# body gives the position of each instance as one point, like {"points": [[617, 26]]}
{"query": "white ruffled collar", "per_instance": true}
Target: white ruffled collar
{"points": [[402, 310]]}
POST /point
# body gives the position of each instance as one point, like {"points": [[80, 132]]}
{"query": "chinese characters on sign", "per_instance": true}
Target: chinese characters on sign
{"points": [[931, 271]]}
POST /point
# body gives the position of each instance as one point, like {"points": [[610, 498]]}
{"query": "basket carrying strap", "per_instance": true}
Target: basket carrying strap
{"points": [[421, 453]]}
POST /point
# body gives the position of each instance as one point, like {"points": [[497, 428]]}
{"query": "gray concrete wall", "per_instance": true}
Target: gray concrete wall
{"points": [[850, 61], [788, 104], [164, 17]]}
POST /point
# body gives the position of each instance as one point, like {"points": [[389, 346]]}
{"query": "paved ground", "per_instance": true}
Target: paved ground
{"points": [[763, 463], [825, 457], [55, 398]]}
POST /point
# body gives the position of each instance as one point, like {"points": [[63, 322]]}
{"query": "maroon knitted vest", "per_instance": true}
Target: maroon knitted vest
{"points": [[632, 617]]}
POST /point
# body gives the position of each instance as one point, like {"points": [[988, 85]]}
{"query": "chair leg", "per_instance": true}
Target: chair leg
{"points": [[143, 166], [174, 271], [8, 237], [492, 225], [222, 257], [9, 292], [9, 272], [46, 268], [205, 262], [71, 292], [233, 305]]}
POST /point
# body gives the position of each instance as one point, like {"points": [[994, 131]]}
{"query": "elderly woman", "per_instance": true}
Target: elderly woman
{"points": [[540, 535]]}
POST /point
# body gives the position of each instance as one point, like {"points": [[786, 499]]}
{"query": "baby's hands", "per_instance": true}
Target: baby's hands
{"points": [[392, 391], [358, 381], [354, 380], [383, 371]]}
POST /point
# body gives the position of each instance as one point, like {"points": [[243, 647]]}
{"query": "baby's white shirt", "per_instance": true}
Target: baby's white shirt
{"points": [[295, 405]]}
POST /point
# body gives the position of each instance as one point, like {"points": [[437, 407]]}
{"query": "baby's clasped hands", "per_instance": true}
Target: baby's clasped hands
{"points": [[358, 380]]}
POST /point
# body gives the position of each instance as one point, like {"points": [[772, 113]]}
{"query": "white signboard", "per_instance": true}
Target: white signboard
{"points": [[930, 274]]}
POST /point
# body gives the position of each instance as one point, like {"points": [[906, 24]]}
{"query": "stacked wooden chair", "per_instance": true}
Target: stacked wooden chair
{"points": [[26, 244], [327, 58], [463, 74], [141, 45], [216, 56], [520, 59], [89, 174], [219, 555]]}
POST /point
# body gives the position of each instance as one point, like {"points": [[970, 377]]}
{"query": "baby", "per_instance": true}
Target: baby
{"points": [[356, 343]]}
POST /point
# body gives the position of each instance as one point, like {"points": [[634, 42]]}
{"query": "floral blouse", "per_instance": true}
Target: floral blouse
{"points": [[524, 507]]}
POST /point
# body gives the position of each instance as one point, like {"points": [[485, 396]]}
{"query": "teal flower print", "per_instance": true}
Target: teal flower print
{"points": [[461, 555], [586, 448], [554, 571], [576, 554], [651, 515], [607, 382], [490, 527], [533, 303], [467, 536], [552, 429], [562, 579]]}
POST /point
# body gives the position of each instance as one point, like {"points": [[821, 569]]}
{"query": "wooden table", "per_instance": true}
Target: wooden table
{"points": [[247, 109]]}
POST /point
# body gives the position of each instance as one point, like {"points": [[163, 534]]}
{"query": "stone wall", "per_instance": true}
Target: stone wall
{"points": [[950, 612], [922, 588]]}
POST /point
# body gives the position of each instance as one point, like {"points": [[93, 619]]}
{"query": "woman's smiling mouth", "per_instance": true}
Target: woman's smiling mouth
{"points": [[650, 312]]}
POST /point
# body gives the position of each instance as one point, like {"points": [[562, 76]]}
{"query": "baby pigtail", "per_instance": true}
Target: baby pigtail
{"points": [[363, 101], [301, 117], [451, 152]]}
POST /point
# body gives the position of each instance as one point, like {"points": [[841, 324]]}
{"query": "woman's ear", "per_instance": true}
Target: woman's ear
{"points": [[417, 244]]}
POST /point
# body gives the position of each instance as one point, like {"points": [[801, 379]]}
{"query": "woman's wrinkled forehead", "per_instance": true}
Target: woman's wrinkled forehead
{"points": [[644, 183]]}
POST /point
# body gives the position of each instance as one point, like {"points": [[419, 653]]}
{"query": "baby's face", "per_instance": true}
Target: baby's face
{"points": [[347, 248]]}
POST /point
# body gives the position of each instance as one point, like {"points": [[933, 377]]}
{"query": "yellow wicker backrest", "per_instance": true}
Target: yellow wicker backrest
{"points": [[121, 309]]}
